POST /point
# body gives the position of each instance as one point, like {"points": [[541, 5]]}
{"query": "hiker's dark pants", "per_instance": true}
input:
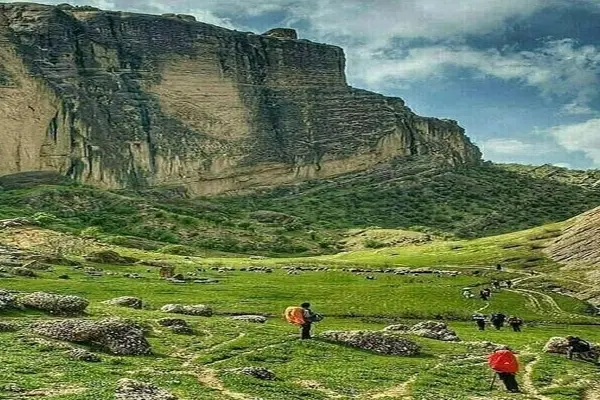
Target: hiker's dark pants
{"points": [[510, 381], [582, 355], [305, 331], [481, 325], [497, 325], [516, 327]]}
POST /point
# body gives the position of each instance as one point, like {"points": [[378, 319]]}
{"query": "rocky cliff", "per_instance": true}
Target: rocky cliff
{"points": [[121, 100]]}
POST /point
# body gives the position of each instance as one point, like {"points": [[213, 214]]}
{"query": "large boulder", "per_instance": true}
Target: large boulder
{"points": [[375, 341], [116, 336], [256, 319], [128, 389], [55, 303], [109, 257], [559, 345], [24, 272], [397, 328], [197, 309], [15, 223], [176, 325], [434, 330], [7, 300], [125, 301]]}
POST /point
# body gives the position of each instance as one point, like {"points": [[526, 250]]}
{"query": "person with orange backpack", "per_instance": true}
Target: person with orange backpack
{"points": [[505, 364], [303, 317]]}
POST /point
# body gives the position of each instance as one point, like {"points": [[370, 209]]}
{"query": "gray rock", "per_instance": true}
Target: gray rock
{"points": [[397, 328], [176, 325], [7, 300], [37, 266], [197, 309], [434, 330], [375, 341], [25, 272], [54, 303], [15, 223], [116, 336], [125, 301], [128, 389], [257, 319], [559, 345], [256, 372], [83, 355], [8, 326]]}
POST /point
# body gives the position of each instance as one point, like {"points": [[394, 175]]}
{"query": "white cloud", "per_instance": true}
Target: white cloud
{"points": [[581, 137], [513, 147]]}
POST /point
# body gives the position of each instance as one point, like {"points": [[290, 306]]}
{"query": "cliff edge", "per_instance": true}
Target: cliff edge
{"points": [[130, 100]]}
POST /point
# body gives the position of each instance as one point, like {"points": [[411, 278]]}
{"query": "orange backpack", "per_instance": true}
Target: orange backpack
{"points": [[294, 315], [504, 361]]}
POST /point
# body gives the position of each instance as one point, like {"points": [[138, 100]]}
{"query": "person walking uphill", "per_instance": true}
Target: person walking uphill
{"points": [[303, 317], [515, 323], [505, 365], [498, 320]]}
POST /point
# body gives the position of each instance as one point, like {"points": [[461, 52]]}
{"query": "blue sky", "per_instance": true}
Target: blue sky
{"points": [[522, 76]]}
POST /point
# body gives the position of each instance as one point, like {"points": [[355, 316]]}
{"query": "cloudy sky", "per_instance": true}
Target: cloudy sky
{"points": [[522, 76]]}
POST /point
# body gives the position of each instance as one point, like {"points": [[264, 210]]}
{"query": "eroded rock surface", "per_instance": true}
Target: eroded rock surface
{"points": [[54, 303], [375, 341], [129, 389], [196, 309], [126, 301]]}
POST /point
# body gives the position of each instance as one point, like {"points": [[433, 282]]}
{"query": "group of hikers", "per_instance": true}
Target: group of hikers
{"points": [[502, 361], [498, 320], [486, 293]]}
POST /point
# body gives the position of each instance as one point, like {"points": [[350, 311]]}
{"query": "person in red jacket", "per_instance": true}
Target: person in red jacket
{"points": [[505, 364]]}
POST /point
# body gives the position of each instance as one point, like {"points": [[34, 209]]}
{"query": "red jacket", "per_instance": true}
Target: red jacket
{"points": [[504, 361]]}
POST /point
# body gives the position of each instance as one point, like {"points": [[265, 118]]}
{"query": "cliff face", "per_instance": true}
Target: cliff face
{"points": [[117, 99]]}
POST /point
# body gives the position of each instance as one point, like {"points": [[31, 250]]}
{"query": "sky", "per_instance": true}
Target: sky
{"points": [[521, 76]]}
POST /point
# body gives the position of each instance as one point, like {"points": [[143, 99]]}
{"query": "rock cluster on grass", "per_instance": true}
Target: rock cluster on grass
{"points": [[256, 319], [559, 345], [83, 355], [397, 328], [15, 223], [176, 325], [7, 300], [256, 372], [109, 257], [24, 272], [128, 389], [434, 330], [116, 336], [8, 327], [196, 309], [375, 341], [125, 301], [54, 303]]}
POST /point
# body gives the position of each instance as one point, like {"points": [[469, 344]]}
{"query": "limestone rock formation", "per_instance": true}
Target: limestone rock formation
{"points": [[125, 301], [256, 319], [579, 242], [126, 100], [54, 303], [128, 389], [376, 341], [196, 309]]}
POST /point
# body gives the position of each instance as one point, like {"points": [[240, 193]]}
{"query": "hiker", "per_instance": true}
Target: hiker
{"points": [[479, 320], [580, 348], [484, 294], [497, 319], [496, 285], [498, 267], [505, 365], [303, 317], [509, 284], [515, 323]]}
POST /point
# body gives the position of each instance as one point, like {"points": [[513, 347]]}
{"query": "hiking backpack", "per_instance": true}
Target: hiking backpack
{"points": [[504, 361], [294, 315]]}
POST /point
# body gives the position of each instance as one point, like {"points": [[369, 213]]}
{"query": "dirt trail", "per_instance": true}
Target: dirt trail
{"points": [[314, 385], [209, 378], [194, 357], [528, 385]]}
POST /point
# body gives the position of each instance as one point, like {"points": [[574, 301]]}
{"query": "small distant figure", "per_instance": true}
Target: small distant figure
{"points": [[370, 277], [479, 320], [581, 349], [509, 284], [485, 294], [496, 284], [467, 294], [498, 267], [497, 319], [532, 273], [515, 323], [505, 364]]}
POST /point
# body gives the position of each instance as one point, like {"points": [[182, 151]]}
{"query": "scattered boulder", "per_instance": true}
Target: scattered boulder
{"points": [[116, 336], [125, 301], [176, 325], [434, 330], [375, 341], [109, 257], [197, 309], [54, 303], [37, 265], [256, 372], [83, 355], [256, 319], [128, 389], [24, 272]]}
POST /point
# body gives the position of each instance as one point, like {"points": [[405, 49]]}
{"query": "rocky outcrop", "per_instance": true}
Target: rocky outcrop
{"points": [[54, 303], [128, 389], [578, 243], [125, 301], [376, 341], [196, 309], [124, 100]]}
